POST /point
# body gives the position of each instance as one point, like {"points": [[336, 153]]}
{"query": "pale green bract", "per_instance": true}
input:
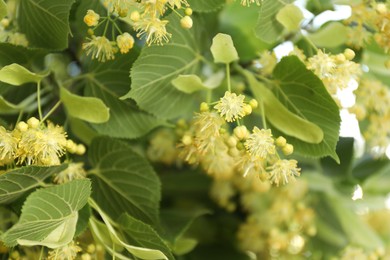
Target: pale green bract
{"points": [[17, 75], [223, 49]]}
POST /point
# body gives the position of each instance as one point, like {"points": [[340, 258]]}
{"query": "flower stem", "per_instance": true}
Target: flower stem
{"points": [[51, 111], [39, 100], [263, 114], [228, 77]]}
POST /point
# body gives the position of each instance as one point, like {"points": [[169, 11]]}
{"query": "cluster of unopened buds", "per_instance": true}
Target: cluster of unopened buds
{"points": [[146, 19], [36, 143]]}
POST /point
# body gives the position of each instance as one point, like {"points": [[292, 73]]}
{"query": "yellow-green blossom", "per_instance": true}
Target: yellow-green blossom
{"points": [[260, 143], [231, 106], [100, 48], [283, 171]]}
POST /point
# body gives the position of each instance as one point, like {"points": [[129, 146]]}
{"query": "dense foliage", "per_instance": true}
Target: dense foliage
{"points": [[194, 129]]}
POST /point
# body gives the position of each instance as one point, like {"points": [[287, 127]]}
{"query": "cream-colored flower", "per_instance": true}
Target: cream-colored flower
{"points": [[100, 48], [68, 252], [231, 106], [153, 30], [91, 18], [283, 171], [8, 145], [260, 143], [42, 146], [73, 172], [125, 42]]}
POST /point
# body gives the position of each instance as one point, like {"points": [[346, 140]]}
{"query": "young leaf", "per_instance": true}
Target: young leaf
{"points": [[192, 83], [15, 183], [305, 94], [325, 36], [17, 75], [49, 216], [188, 83], [223, 49], [108, 81], [45, 22], [281, 118], [290, 16], [206, 5], [123, 181], [140, 234], [157, 66], [268, 28], [89, 109]]}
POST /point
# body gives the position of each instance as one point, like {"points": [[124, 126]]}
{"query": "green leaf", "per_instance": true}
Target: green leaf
{"points": [[123, 181], [290, 16], [239, 23], [139, 252], [192, 83], [176, 223], [282, 118], [379, 180], [101, 234], [206, 5], [3, 9], [325, 37], [157, 66], [108, 81], [89, 109], [140, 234], [223, 49], [305, 94], [49, 216], [345, 151], [7, 107], [17, 75], [268, 28], [15, 183], [82, 130], [10, 53], [45, 22], [83, 220], [358, 232]]}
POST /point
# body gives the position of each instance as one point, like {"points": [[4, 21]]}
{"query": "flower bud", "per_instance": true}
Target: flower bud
{"points": [[33, 122], [281, 141], [204, 107], [253, 103], [247, 109], [186, 22], [80, 149], [288, 149], [186, 140], [349, 54], [91, 18], [22, 126], [188, 11], [135, 16], [241, 132]]}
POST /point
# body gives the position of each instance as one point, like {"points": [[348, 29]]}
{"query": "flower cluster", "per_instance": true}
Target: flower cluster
{"points": [[35, 143], [369, 19], [279, 222], [373, 106], [335, 71], [249, 2], [147, 20], [207, 142]]}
